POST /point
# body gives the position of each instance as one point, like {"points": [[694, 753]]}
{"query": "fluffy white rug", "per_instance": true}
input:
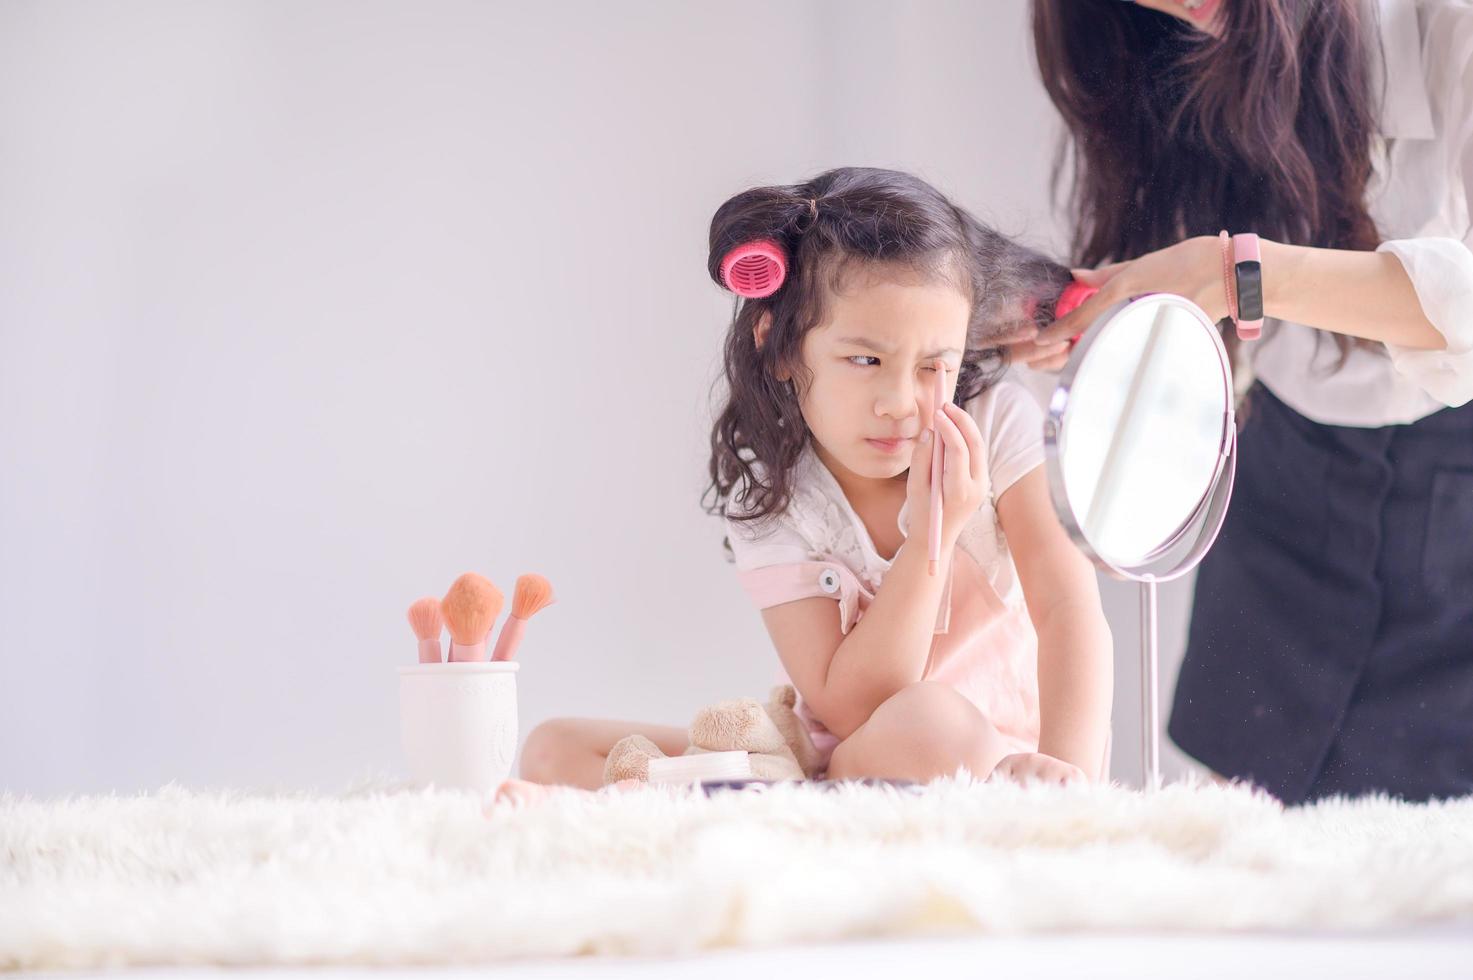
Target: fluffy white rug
{"points": [[391, 876]]}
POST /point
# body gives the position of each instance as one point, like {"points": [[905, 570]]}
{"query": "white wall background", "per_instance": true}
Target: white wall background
{"points": [[306, 308]]}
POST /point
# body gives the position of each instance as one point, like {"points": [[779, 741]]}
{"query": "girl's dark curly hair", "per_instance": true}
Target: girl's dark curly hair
{"points": [[841, 222]]}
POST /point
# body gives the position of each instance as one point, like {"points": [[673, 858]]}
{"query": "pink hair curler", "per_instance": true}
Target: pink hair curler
{"points": [[754, 270]]}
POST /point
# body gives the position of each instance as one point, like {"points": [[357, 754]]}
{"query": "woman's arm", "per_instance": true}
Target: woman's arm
{"points": [[1359, 294], [1075, 650]]}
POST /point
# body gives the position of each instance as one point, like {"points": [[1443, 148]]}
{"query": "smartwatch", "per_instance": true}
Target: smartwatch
{"points": [[1248, 280]]}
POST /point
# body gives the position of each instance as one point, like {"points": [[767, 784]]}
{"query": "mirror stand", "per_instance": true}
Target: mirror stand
{"points": [[1150, 688], [1201, 532]]}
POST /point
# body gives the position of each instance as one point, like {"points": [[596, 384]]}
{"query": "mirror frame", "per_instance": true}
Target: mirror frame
{"points": [[1206, 517]]}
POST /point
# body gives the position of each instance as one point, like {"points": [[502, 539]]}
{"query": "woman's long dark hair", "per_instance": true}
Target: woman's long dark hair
{"points": [[1174, 133], [842, 222]]}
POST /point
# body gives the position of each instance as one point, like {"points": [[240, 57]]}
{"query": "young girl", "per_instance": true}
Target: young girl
{"points": [[1001, 661]]}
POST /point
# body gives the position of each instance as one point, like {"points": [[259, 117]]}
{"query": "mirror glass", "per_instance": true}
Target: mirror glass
{"points": [[1141, 439]]}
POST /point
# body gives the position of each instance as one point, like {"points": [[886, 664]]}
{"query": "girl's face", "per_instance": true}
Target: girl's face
{"points": [[1201, 13], [872, 370]]}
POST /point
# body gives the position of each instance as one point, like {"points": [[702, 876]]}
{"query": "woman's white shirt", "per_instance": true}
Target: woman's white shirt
{"points": [[1419, 200]]}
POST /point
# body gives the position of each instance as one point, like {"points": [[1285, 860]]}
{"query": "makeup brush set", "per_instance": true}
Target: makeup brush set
{"points": [[470, 609], [458, 715]]}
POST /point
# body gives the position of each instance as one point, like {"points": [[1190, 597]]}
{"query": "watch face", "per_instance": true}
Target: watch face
{"points": [[1250, 290]]}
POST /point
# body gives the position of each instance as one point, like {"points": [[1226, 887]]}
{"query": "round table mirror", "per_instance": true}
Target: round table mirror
{"points": [[1140, 442]]}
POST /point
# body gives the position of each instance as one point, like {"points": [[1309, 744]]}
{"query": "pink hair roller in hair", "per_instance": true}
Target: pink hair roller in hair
{"points": [[755, 269]]}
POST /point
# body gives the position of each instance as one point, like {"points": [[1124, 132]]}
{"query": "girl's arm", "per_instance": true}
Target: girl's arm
{"points": [[1075, 651], [845, 678]]}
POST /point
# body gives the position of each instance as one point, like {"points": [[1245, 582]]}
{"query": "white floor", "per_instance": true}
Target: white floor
{"points": [[1427, 954]]}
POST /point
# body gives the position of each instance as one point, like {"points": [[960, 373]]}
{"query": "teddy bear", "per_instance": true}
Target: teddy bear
{"points": [[774, 736]]}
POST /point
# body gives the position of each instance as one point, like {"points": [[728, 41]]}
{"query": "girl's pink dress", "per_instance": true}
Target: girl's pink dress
{"points": [[984, 645]]}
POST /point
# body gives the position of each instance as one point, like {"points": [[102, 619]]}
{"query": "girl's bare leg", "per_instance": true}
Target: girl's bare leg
{"points": [[925, 731], [572, 752]]}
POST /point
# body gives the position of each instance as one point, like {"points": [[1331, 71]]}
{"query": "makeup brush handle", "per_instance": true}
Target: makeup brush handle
{"points": [[429, 650], [467, 653], [937, 472], [510, 638], [933, 552]]}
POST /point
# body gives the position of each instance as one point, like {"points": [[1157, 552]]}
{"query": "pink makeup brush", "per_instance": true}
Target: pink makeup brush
{"points": [[937, 463], [470, 608], [426, 621], [533, 592]]}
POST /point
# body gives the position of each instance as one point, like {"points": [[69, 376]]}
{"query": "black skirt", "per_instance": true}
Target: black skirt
{"points": [[1331, 642]]}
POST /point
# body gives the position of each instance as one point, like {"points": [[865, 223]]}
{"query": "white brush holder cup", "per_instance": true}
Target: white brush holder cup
{"points": [[458, 723]]}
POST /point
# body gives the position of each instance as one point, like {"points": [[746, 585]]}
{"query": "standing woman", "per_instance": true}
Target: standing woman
{"points": [[1331, 643]]}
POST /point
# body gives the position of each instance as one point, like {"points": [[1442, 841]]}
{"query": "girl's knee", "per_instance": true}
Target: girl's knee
{"points": [[925, 693], [929, 706], [546, 749], [926, 730]]}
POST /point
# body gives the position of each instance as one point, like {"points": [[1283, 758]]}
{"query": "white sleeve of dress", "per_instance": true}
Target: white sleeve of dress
{"points": [[1013, 428], [776, 564], [773, 541], [1441, 269]]}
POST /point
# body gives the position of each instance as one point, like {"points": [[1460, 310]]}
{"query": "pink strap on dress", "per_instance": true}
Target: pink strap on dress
{"points": [[774, 585]]}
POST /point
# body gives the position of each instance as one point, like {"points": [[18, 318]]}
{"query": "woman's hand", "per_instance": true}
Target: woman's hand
{"points": [[1028, 350], [962, 486], [1191, 268], [1026, 766]]}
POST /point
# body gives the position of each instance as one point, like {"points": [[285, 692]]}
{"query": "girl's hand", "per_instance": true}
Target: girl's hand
{"points": [[961, 486], [1191, 268], [1027, 766]]}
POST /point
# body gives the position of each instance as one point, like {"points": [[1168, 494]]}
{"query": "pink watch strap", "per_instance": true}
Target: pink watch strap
{"points": [[1245, 249]]}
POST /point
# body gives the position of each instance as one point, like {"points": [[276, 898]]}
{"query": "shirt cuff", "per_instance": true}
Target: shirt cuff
{"points": [[1441, 271]]}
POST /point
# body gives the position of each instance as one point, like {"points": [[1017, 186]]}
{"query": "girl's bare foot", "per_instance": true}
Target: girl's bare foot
{"points": [[523, 792]]}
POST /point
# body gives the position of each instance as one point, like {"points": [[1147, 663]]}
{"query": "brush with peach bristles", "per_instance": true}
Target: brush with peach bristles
{"points": [[470, 609], [533, 593], [426, 621]]}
